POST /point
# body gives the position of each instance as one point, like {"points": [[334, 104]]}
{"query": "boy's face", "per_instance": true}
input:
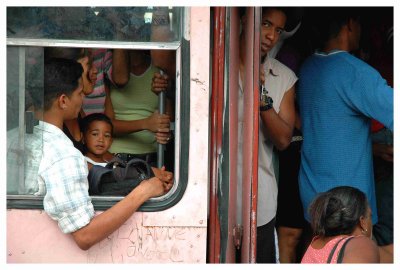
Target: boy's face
{"points": [[98, 138], [273, 24]]}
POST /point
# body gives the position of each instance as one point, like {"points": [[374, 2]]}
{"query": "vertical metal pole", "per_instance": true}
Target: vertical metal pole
{"points": [[216, 118], [232, 89], [21, 120], [161, 109], [250, 137]]}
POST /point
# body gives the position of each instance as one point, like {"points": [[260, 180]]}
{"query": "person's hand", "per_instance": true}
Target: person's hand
{"points": [[159, 83], [87, 85], [162, 174], [163, 137], [262, 75], [158, 122], [155, 187], [93, 75], [383, 151]]}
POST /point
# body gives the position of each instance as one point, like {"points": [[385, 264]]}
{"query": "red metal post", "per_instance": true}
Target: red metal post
{"points": [[217, 97]]}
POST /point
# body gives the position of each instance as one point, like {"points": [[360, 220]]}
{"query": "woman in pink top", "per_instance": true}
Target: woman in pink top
{"points": [[341, 221]]}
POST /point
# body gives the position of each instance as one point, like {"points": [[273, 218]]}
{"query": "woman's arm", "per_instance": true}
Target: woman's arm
{"points": [[154, 123]]}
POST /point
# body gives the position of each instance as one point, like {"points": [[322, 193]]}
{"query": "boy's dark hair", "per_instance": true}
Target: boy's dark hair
{"points": [[66, 53], [87, 120], [337, 211], [61, 76]]}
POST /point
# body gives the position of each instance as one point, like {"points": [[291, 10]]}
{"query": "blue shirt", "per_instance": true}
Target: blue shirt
{"points": [[338, 94]]}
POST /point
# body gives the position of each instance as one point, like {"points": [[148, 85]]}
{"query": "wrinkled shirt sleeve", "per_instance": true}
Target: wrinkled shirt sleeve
{"points": [[67, 198]]}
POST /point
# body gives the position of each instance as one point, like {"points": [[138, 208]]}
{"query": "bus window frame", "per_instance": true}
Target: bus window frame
{"points": [[182, 116]]}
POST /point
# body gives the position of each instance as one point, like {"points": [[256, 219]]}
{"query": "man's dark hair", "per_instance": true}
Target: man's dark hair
{"points": [[337, 211], [61, 76], [242, 10], [328, 21], [284, 10], [87, 120]]}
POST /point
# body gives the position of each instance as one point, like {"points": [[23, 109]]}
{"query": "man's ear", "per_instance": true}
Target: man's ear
{"points": [[351, 24], [62, 101]]}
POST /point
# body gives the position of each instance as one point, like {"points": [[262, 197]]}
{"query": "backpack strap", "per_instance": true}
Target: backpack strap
{"points": [[341, 252], [116, 161], [333, 250], [135, 168]]}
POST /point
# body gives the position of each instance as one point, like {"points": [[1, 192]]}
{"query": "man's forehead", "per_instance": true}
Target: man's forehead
{"points": [[275, 16]]}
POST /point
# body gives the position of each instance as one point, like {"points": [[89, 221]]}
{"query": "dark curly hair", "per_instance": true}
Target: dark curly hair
{"points": [[87, 120]]}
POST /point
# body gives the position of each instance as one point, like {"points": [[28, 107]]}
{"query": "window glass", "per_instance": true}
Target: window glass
{"points": [[93, 23], [25, 63], [24, 93]]}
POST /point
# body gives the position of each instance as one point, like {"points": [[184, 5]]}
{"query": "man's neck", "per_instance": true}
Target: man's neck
{"points": [[339, 43], [53, 118]]}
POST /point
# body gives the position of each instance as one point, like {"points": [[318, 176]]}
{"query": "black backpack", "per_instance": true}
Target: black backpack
{"points": [[118, 177]]}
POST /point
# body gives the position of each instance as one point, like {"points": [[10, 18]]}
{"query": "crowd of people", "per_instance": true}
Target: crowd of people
{"points": [[333, 191], [317, 116]]}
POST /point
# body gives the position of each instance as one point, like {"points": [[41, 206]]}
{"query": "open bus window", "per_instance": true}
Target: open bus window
{"points": [[159, 44]]}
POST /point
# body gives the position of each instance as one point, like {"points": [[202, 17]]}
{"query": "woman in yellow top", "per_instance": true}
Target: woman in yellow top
{"points": [[133, 107]]}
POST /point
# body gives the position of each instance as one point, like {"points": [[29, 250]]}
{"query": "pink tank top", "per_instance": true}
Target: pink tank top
{"points": [[313, 255]]}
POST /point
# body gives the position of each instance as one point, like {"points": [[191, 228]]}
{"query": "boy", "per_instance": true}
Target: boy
{"points": [[97, 130]]}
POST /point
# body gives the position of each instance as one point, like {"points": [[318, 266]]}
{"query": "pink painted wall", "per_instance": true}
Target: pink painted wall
{"points": [[176, 235], [32, 237]]}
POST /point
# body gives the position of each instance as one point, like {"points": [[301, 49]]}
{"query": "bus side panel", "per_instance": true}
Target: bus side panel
{"points": [[178, 234], [33, 237]]}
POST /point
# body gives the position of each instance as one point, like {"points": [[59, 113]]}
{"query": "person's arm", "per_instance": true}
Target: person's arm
{"points": [[154, 123], [160, 32], [361, 250], [107, 222], [120, 67], [162, 83], [278, 127], [88, 87], [383, 151]]}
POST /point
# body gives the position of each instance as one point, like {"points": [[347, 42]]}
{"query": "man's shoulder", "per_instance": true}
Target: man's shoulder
{"points": [[56, 145], [278, 67]]}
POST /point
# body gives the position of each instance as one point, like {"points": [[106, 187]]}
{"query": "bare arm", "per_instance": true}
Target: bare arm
{"points": [[383, 151], [160, 31], [279, 127], [120, 64], [155, 122], [107, 222]]}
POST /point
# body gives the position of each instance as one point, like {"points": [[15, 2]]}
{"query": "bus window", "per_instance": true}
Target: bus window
{"points": [[157, 32], [92, 23]]}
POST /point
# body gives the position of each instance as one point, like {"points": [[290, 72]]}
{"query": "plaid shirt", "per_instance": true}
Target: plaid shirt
{"points": [[62, 179]]}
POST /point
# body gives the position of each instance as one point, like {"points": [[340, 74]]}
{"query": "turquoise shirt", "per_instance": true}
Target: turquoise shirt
{"points": [[338, 94]]}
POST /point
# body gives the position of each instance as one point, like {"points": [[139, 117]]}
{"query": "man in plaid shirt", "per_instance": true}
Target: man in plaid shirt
{"points": [[62, 173]]}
